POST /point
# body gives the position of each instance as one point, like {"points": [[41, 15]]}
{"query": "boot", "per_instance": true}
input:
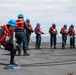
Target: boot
{"points": [[73, 46], [12, 62], [38, 47], [63, 46], [19, 52], [25, 53], [55, 47]]}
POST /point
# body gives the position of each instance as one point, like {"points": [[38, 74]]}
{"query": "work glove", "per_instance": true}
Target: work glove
{"points": [[43, 33], [32, 31]]}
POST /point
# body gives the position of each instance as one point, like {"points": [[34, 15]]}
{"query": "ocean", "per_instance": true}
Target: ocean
{"points": [[46, 38]]}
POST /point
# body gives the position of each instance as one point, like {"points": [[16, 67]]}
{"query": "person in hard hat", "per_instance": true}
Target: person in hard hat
{"points": [[72, 36], [20, 35], [64, 32], [6, 38], [38, 33], [28, 32], [53, 33]]}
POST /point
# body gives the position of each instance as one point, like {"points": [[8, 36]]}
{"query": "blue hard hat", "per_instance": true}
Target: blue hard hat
{"points": [[27, 20], [20, 16], [12, 22], [65, 25], [72, 25], [38, 24], [54, 25]]}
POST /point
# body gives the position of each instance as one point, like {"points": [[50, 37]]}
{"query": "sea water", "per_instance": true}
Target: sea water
{"points": [[46, 38]]}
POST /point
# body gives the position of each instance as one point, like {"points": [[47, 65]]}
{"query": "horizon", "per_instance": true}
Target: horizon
{"points": [[45, 12]]}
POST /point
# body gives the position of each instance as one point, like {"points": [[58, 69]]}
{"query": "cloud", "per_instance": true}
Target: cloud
{"points": [[44, 11]]}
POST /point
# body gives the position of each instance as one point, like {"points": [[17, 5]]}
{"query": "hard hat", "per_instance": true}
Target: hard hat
{"points": [[20, 16], [12, 22], [38, 24], [54, 25], [65, 25], [27, 20], [72, 25]]}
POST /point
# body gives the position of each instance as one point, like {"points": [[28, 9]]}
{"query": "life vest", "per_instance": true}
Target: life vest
{"points": [[6, 36], [38, 30], [29, 25], [72, 30], [20, 24], [64, 30], [53, 30]]}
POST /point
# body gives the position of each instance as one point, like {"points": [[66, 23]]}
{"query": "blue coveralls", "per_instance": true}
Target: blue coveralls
{"points": [[20, 35], [38, 39], [10, 47], [52, 38], [64, 39], [72, 39], [28, 34], [64, 33]]}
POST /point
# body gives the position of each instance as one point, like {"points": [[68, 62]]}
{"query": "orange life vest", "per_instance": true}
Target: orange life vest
{"points": [[20, 24], [54, 30], [7, 35], [72, 30], [64, 30], [38, 29], [29, 25]]}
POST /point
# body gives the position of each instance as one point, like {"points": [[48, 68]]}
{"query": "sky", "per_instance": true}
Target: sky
{"points": [[45, 12]]}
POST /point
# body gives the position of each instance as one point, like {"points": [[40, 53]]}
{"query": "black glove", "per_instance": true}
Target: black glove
{"points": [[32, 31], [42, 32]]}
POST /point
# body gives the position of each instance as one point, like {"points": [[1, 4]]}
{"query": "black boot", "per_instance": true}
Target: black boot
{"points": [[25, 53], [38, 47], [63, 46], [73, 46], [55, 47], [12, 62]]}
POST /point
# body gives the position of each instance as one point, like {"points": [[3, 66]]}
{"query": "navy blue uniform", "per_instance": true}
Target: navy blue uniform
{"points": [[64, 33], [38, 33], [20, 35], [10, 47], [72, 37], [53, 33]]}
